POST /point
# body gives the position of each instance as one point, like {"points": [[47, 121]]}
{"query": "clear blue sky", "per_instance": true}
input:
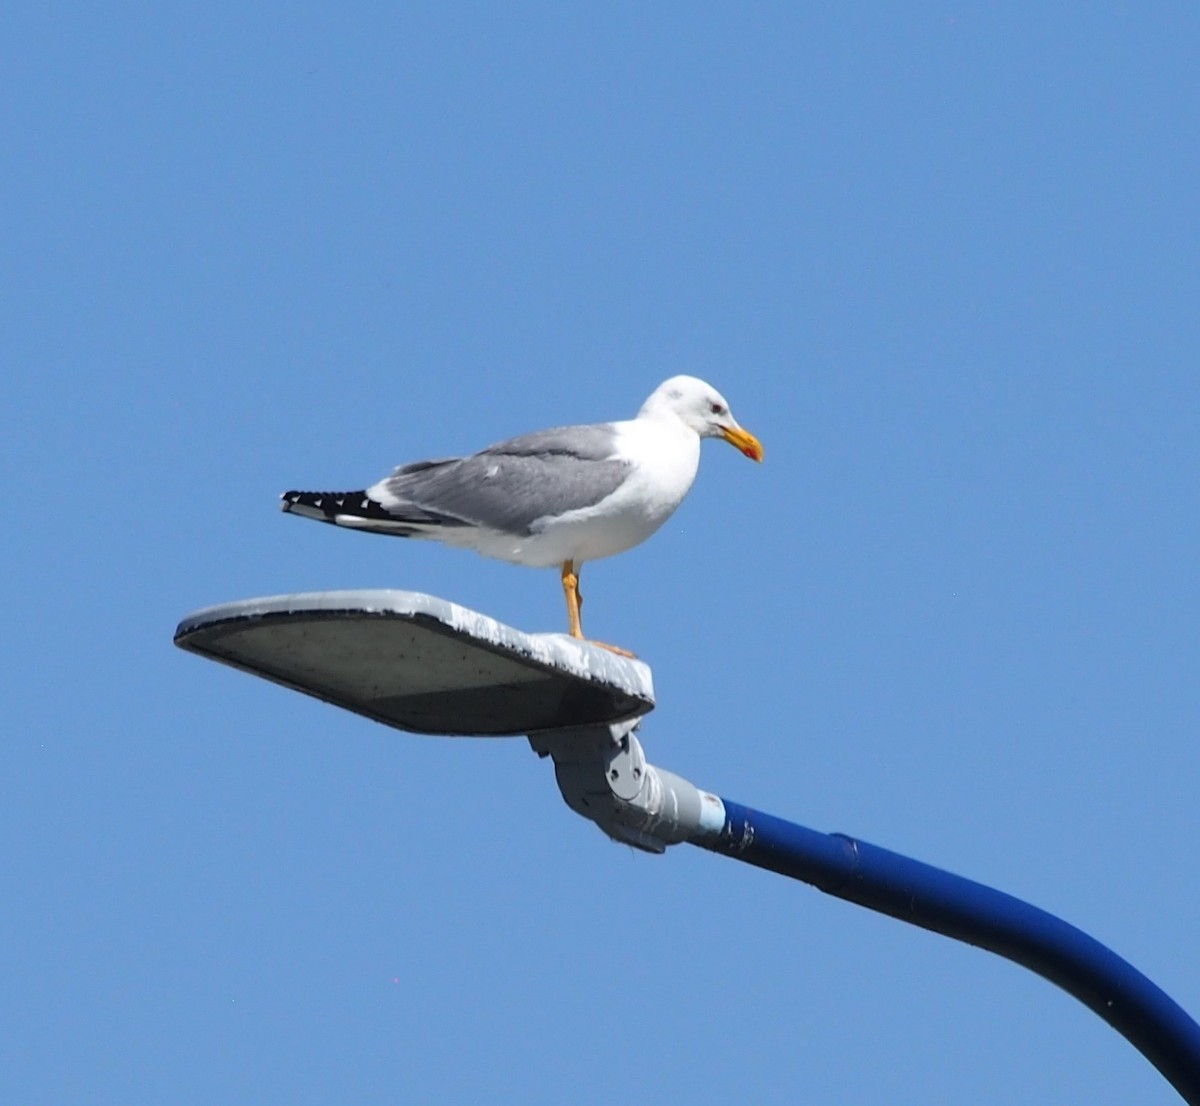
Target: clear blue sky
{"points": [[942, 258]]}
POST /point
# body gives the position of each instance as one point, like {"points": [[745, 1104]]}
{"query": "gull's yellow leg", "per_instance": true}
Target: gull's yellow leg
{"points": [[570, 583]]}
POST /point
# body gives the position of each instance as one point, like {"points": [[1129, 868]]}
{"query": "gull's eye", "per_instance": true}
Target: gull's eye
{"points": [[717, 408]]}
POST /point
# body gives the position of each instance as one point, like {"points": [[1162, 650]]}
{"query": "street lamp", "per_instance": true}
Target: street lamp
{"points": [[423, 664]]}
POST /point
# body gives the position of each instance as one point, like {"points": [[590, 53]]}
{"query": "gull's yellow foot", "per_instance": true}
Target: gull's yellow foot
{"points": [[613, 649]]}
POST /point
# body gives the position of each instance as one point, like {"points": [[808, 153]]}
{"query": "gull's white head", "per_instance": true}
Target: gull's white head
{"points": [[703, 409]]}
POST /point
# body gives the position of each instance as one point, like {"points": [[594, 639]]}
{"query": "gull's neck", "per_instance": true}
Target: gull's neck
{"points": [[655, 408]]}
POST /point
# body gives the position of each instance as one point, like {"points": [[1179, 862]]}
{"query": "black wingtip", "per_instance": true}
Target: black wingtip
{"points": [[327, 506]]}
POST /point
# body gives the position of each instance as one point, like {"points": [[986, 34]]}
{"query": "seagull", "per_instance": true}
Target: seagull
{"points": [[553, 497]]}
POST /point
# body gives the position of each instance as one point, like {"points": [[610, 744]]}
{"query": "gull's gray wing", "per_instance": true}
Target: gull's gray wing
{"points": [[512, 485], [584, 443]]}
